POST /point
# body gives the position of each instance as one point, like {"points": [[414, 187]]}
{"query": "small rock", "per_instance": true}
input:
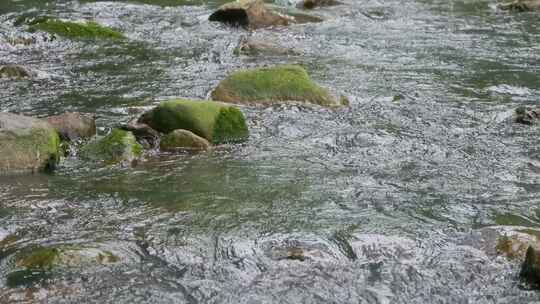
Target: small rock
{"points": [[252, 47], [183, 139], [311, 4], [251, 14], [72, 125], [530, 270], [526, 116], [15, 72], [145, 135]]}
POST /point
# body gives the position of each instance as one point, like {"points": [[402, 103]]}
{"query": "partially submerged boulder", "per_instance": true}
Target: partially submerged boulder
{"points": [[214, 121], [27, 144], [527, 116], [251, 14], [252, 47], [183, 140], [76, 30], [73, 125], [311, 4], [13, 71], [145, 135], [118, 146], [530, 270], [520, 5], [272, 85]]}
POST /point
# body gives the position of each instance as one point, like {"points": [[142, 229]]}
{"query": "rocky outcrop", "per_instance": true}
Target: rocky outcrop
{"points": [[278, 84], [27, 144], [183, 140], [118, 146], [73, 126], [214, 121]]}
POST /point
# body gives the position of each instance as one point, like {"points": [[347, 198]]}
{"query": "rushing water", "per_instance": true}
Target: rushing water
{"points": [[386, 198]]}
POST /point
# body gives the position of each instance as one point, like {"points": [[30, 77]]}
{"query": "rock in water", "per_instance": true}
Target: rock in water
{"points": [[278, 84], [145, 135], [251, 14], [27, 144], [214, 121], [76, 30], [15, 72], [72, 125], [530, 270], [521, 5], [183, 139], [311, 4], [118, 146], [252, 47], [526, 116]]}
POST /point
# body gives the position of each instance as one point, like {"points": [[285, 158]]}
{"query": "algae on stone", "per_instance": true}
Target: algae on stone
{"points": [[119, 145], [183, 139], [216, 122], [40, 258], [76, 30], [27, 144], [272, 85]]}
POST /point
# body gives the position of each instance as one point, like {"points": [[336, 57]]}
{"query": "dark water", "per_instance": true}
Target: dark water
{"points": [[385, 198]]}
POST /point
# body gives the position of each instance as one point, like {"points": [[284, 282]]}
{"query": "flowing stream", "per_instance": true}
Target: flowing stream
{"points": [[386, 198]]}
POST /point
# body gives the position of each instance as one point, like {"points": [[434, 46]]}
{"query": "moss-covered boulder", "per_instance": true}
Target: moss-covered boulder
{"points": [[75, 30], [118, 146], [214, 121], [251, 14], [520, 5], [73, 125], [183, 140], [15, 72], [272, 85], [27, 144]]}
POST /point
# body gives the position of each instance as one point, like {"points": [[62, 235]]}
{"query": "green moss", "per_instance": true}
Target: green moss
{"points": [[118, 146], [40, 258], [508, 219], [216, 122], [26, 278], [271, 85], [76, 30]]}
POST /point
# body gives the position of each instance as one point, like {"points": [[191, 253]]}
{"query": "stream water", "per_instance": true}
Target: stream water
{"points": [[385, 198]]}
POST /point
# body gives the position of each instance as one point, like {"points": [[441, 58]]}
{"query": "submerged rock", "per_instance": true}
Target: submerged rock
{"points": [[530, 270], [27, 144], [15, 72], [527, 116], [39, 264], [118, 146], [216, 122], [272, 85], [183, 139], [520, 5], [72, 125], [251, 47], [311, 4], [251, 14], [75, 30]]}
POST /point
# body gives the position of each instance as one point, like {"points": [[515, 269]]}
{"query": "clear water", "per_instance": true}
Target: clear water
{"points": [[387, 198]]}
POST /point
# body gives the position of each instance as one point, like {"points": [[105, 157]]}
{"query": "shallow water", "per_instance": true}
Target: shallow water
{"points": [[386, 198]]}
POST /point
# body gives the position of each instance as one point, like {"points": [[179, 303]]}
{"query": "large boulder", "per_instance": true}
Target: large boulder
{"points": [[183, 140], [521, 5], [214, 121], [251, 14], [278, 84], [118, 146], [75, 30], [72, 125], [27, 144]]}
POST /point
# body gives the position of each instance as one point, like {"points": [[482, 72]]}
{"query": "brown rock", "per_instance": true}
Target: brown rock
{"points": [[72, 125], [311, 4], [183, 139], [251, 14], [145, 135]]}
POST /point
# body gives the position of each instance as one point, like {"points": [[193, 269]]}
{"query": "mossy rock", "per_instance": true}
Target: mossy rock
{"points": [[27, 144], [40, 258], [15, 72], [118, 146], [520, 5], [214, 121], [272, 85], [76, 30], [183, 140]]}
